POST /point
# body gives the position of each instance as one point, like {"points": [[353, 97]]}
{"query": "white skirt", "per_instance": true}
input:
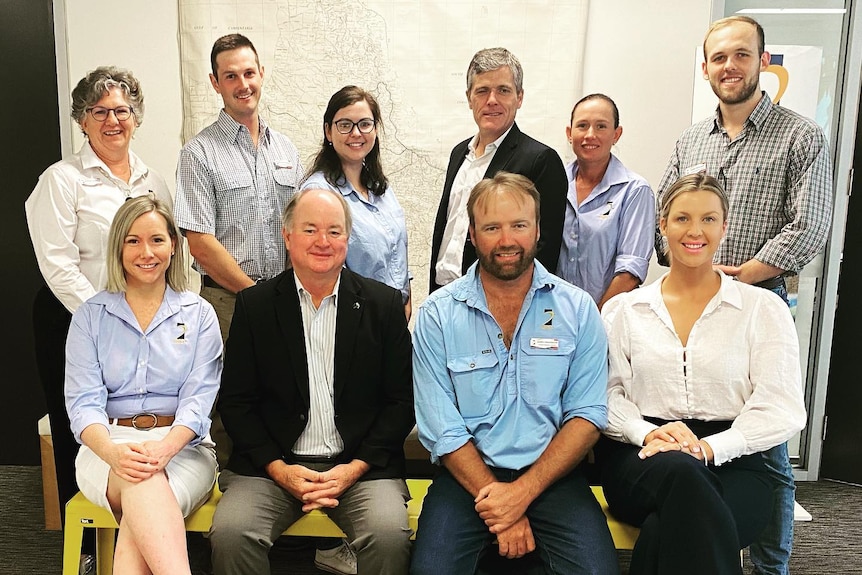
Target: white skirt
{"points": [[191, 473]]}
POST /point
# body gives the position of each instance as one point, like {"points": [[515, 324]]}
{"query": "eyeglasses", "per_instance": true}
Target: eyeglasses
{"points": [[100, 114], [345, 126]]}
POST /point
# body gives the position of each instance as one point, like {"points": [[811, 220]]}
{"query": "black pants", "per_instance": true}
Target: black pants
{"points": [[693, 518]]}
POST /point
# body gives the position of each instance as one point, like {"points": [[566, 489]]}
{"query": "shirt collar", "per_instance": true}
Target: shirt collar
{"points": [[730, 293], [469, 288], [89, 160], [471, 145], [300, 289], [615, 173], [230, 127], [757, 117]]}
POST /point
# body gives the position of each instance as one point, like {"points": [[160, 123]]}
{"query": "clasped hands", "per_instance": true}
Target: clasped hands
{"points": [[502, 506], [675, 436], [135, 462], [315, 489]]}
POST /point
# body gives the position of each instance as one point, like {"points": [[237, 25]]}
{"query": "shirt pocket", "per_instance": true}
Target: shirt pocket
{"points": [[544, 370], [476, 380], [284, 175], [234, 190]]}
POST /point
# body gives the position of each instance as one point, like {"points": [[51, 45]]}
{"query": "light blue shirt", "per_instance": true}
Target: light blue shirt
{"points": [[613, 231], [509, 402], [113, 369], [378, 241]]}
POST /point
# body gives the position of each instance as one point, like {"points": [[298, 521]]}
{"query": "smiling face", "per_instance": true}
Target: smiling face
{"points": [[733, 63], [694, 226], [238, 83], [147, 250], [317, 237], [592, 133], [354, 146], [494, 101], [505, 234], [110, 139]]}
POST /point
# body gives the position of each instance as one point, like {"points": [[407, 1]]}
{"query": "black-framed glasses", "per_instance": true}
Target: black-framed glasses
{"points": [[345, 126], [100, 114]]}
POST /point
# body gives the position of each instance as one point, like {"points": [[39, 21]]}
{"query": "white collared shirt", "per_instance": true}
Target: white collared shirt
{"points": [[450, 261], [320, 438]]}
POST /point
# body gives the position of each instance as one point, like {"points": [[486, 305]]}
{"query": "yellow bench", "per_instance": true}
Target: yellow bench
{"points": [[81, 514]]}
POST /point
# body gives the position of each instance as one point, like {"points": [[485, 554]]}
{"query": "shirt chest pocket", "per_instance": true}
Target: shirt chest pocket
{"points": [[545, 368], [234, 190], [476, 382]]}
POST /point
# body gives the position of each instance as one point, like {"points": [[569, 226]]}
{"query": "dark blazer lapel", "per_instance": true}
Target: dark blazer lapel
{"points": [[293, 337], [505, 153], [351, 306]]}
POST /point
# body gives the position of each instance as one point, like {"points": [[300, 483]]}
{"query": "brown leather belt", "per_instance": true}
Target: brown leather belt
{"points": [[145, 421]]}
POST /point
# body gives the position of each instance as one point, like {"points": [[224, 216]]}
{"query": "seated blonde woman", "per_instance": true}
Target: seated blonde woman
{"points": [[704, 377], [143, 365]]}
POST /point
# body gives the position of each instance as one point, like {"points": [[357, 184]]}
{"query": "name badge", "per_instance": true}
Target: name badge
{"points": [[544, 343], [695, 169]]}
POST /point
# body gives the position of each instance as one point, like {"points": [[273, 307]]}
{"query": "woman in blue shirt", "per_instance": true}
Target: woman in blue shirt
{"points": [[610, 211], [143, 365], [349, 162]]}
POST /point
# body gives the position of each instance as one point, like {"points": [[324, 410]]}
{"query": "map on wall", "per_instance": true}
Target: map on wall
{"points": [[412, 55]]}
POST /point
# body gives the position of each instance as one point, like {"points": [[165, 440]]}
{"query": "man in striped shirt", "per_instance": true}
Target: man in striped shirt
{"points": [[775, 167]]}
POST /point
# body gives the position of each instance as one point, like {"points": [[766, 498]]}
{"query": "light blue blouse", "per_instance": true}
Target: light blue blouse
{"points": [[113, 369], [378, 241], [612, 232]]}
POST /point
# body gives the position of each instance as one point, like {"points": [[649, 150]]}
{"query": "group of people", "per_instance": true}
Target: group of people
{"points": [[293, 379]]}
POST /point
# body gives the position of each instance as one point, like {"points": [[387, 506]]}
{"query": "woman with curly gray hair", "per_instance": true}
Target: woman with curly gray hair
{"points": [[68, 215]]}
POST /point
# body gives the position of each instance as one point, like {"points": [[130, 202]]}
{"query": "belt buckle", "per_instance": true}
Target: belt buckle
{"points": [[135, 421]]}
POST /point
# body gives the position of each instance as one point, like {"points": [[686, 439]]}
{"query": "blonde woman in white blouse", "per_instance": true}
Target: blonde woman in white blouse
{"points": [[704, 376]]}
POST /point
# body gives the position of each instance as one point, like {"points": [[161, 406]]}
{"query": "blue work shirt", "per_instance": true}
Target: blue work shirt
{"points": [[377, 247], [509, 402], [113, 369], [611, 232]]}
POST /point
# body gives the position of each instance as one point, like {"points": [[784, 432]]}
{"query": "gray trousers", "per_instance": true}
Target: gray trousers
{"points": [[255, 511]]}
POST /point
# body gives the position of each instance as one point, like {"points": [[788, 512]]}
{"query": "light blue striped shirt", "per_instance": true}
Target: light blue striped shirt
{"points": [[320, 436]]}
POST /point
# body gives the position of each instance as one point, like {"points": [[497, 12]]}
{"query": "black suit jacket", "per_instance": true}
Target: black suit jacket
{"points": [[264, 397], [519, 154]]}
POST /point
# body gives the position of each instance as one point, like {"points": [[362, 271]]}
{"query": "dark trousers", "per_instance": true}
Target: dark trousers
{"points": [[693, 518]]}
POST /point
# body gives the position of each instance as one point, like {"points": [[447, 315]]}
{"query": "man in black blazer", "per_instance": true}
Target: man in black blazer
{"points": [[317, 397], [495, 93]]}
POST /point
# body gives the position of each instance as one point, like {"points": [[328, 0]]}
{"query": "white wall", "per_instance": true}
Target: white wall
{"points": [[140, 36], [640, 53]]}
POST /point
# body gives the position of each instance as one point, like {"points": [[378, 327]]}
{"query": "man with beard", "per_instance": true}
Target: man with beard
{"points": [[774, 165], [510, 377]]}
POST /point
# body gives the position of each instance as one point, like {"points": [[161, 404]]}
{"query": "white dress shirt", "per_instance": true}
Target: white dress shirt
{"points": [[741, 364]]}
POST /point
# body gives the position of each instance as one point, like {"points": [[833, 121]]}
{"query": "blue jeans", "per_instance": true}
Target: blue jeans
{"points": [[770, 554], [569, 528]]}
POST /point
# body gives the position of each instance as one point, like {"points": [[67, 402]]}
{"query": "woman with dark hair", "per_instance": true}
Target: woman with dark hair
{"points": [[704, 377], [143, 365], [610, 211], [349, 162], [68, 215]]}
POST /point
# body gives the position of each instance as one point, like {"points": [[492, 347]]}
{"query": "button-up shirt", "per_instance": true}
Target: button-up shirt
{"points": [[740, 364], [450, 261], [236, 191], [377, 247], [69, 214], [778, 177], [611, 232], [114, 369], [510, 402]]}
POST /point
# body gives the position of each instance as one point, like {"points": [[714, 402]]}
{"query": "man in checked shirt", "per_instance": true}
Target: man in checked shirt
{"points": [[775, 167], [234, 179]]}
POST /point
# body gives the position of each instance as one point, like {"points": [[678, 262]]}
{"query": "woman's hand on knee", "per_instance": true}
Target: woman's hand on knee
{"points": [[674, 436], [130, 462]]}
